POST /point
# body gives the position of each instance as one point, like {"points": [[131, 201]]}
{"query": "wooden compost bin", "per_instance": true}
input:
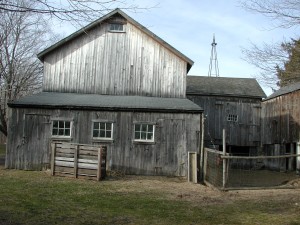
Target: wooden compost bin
{"points": [[78, 160]]}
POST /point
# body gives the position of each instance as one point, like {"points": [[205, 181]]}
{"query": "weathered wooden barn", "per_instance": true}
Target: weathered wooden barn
{"points": [[281, 123], [230, 103], [115, 83]]}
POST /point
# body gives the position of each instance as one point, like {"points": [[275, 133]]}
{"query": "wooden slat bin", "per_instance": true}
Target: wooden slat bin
{"points": [[78, 160]]}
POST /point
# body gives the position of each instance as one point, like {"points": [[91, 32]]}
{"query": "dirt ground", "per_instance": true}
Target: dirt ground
{"points": [[178, 188]]}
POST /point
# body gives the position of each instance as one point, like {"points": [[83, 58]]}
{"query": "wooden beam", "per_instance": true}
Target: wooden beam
{"points": [[53, 146], [99, 164], [76, 160], [224, 160]]}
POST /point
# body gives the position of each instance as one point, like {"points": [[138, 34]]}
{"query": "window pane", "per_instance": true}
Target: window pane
{"points": [[143, 135], [116, 26], [55, 124], [55, 131], [112, 26], [108, 126], [108, 134], [61, 132], [150, 128], [102, 133], [102, 126], [144, 127], [149, 136], [96, 125], [137, 127], [61, 124], [67, 132], [137, 135], [95, 133], [61, 128]]}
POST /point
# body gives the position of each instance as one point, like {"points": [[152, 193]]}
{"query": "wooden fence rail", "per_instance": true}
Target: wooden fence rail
{"points": [[78, 160]]}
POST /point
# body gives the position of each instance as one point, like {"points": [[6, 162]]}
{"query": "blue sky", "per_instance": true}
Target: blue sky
{"points": [[189, 25]]}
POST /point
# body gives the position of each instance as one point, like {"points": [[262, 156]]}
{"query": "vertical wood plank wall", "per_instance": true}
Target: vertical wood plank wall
{"points": [[245, 132], [175, 135], [120, 63], [281, 119]]}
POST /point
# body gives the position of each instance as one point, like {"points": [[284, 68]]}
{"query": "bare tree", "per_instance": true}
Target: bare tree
{"points": [[285, 13], [22, 36], [68, 10], [268, 58], [271, 58]]}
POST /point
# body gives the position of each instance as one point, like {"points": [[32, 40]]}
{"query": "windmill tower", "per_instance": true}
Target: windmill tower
{"points": [[213, 64]]}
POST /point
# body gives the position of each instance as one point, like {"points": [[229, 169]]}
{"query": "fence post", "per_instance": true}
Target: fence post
{"points": [[76, 160], [204, 164], [201, 146], [224, 160], [192, 167], [99, 164], [53, 150]]}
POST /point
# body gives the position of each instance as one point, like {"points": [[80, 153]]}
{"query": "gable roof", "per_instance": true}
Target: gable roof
{"points": [[285, 90], [224, 86], [106, 102], [90, 26]]}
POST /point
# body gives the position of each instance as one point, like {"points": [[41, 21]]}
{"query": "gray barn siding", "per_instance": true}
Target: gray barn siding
{"points": [[245, 132], [29, 136], [126, 63], [281, 119]]}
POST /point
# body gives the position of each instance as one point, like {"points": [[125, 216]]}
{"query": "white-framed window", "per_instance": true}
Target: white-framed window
{"points": [[103, 130], [232, 117], [61, 128], [144, 132], [116, 27]]}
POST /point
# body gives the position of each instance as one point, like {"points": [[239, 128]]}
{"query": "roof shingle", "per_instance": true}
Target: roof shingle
{"points": [[106, 102], [284, 90], [224, 86]]}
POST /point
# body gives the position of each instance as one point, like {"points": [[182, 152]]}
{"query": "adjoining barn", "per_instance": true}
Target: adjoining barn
{"points": [[281, 125], [230, 103], [116, 83]]}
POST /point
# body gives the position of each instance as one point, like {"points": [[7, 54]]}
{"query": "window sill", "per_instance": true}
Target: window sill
{"points": [[61, 138], [116, 31], [103, 141], [144, 142]]}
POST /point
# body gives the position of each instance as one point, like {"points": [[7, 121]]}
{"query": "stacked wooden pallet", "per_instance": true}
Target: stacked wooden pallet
{"points": [[78, 160]]}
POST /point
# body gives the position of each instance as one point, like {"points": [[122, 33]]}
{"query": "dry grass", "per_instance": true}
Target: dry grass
{"points": [[29, 197]]}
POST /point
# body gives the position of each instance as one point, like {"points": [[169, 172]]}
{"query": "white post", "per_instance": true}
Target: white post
{"points": [[192, 167], [224, 160], [298, 158]]}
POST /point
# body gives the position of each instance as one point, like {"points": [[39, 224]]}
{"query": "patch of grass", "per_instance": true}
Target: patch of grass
{"points": [[28, 197], [2, 150]]}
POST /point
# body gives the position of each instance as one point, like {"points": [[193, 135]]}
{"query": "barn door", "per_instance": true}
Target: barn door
{"points": [[171, 156], [36, 132]]}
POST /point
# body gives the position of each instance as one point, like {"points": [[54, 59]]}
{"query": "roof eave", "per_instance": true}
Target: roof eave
{"points": [[229, 95], [123, 109], [76, 33]]}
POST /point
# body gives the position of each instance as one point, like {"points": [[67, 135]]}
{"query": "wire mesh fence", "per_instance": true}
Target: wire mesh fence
{"points": [[213, 167], [230, 172]]}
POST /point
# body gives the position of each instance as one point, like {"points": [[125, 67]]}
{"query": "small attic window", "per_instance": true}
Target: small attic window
{"points": [[232, 117], [116, 27]]}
